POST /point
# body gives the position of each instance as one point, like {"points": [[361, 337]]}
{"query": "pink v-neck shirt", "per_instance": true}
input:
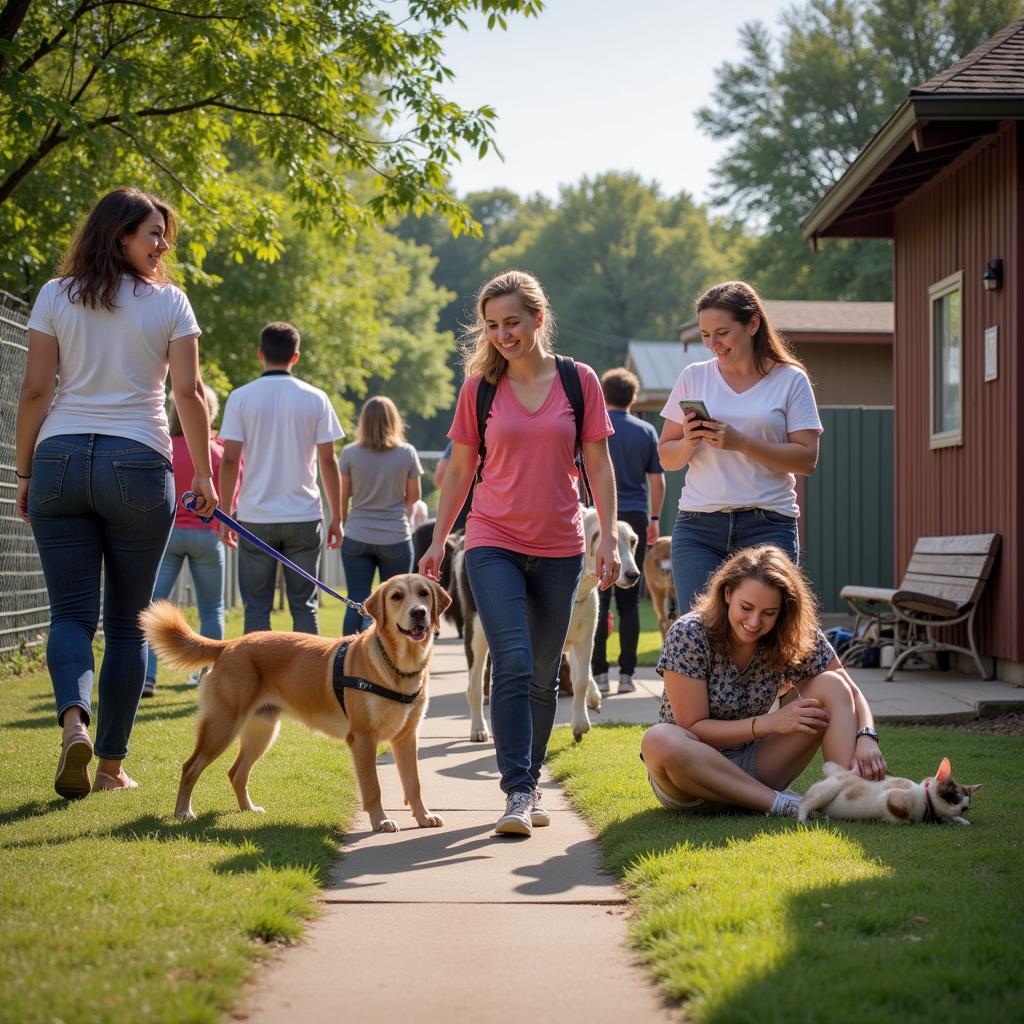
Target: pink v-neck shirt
{"points": [[528, 499]]}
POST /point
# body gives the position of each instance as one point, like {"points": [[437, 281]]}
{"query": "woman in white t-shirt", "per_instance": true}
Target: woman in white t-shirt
{"points": [[93, 462], [742, 462]]}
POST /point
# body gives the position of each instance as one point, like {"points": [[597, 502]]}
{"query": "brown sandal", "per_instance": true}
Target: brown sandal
{"points": [[72, 780]]}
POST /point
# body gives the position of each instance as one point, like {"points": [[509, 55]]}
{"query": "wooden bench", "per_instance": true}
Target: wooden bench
{"points": [[941, 588]]}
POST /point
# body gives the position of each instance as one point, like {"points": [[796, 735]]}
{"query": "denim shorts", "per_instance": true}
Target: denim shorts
{"points": [[744, 757]]}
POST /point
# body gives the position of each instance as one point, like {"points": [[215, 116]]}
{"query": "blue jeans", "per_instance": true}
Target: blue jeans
{"points": [[361, 561], [96, 503], [257, 573], [205, 554], [701, 541], [525, 604]]}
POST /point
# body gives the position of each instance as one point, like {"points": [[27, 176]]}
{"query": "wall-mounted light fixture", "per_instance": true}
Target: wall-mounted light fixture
{"points": [[992, 279]]}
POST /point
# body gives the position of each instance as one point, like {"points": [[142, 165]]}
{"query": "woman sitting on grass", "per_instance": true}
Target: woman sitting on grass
{"points": [[753, 636]]}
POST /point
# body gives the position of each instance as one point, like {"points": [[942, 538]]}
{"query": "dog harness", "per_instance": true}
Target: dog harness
{"points": [[343, 682]]}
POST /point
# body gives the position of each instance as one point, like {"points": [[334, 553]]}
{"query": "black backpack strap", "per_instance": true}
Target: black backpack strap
{"points": [[484, 400], [569, 374]]}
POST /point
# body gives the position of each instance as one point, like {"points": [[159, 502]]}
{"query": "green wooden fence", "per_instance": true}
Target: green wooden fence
{"points": [[848, 504]]}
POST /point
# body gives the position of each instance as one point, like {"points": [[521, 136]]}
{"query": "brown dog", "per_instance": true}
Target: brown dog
{"points": [[658, 578], [258, 676]]}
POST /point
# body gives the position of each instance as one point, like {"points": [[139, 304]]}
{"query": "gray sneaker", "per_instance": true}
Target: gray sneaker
{"points": [[786, 804], [516, 819], [602, 681], [626, 684], [539, 816]]}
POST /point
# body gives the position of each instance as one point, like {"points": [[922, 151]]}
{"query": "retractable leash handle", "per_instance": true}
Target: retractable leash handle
{"points": [[188, 501]]}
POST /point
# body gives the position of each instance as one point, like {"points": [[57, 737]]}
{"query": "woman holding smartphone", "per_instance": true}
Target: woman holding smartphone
{"points": [[742, 461]]}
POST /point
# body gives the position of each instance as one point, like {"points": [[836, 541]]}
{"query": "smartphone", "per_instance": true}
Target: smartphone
{"points": [[694, 405]]}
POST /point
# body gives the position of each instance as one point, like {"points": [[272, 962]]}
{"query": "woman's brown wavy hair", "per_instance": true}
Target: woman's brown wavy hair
{"points": [[742, 303], [93, 266], [792, 637]]}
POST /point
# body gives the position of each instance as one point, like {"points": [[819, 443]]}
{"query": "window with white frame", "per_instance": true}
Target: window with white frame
{"points": [[946, 303]]}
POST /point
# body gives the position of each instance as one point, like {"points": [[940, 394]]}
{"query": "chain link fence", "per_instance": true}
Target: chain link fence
{"points": [[24, 609]]}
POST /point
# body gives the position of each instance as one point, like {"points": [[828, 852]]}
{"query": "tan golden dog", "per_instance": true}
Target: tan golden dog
{"points": [[257, 677], [658, 578]]}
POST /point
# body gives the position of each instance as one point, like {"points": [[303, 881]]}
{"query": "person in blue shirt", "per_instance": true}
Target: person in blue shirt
{"points": [[640, 485]]}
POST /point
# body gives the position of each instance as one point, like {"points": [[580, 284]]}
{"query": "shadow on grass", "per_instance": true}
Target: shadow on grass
{"points": [[261, 845], [149, 711], [32, 809]]}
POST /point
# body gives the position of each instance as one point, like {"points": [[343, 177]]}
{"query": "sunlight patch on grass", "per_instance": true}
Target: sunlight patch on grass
{"points": [[751, 918]]}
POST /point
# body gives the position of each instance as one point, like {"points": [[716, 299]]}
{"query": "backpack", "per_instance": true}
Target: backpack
{"points": [[569, 375]]}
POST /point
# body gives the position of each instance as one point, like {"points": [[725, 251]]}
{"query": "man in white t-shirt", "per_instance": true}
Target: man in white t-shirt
{"points": [[284, 427]]}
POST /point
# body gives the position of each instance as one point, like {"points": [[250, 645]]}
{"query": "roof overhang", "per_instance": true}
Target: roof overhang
{"points": [[922, 136]]}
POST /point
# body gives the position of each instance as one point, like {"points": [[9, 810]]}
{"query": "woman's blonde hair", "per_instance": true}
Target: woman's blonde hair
{"points": [[480, 358], [792, 637], [212, 405], [741, 302], [380, 425]]}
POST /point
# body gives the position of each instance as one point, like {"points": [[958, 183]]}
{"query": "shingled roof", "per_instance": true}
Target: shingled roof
{"points": [[994, 67], [938, 121]]}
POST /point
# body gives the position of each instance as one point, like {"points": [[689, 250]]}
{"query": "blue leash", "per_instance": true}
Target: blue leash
{"points": [[188, 501]]}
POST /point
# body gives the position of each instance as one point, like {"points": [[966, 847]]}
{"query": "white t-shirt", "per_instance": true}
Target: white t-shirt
{"points": [[280, 420], [775, 407], [112, 364]]}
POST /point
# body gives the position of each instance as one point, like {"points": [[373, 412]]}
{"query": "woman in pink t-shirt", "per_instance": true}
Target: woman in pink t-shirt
{"points": [[524, 537]]}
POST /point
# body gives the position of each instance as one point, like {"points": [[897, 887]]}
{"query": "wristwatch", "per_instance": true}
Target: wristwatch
{"points": [[868, 731]]}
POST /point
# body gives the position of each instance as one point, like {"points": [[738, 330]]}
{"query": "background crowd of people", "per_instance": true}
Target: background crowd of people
{"points": [[100, 463]]}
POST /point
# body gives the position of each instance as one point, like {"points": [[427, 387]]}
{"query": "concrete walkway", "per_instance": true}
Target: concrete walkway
{"points": [[456, 925]]}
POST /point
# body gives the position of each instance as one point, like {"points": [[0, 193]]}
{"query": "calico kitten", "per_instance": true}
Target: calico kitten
{"points": [[841, 794]]}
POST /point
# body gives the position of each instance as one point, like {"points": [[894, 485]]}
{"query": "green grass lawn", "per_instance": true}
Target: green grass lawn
{"points": [[114, 911], [752, 919]]}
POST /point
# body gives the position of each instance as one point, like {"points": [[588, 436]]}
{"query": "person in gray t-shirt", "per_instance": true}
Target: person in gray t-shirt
{"points": [[380, 482]]}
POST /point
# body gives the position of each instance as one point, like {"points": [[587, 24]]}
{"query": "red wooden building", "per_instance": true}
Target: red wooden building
{"points": [[944, 178]]}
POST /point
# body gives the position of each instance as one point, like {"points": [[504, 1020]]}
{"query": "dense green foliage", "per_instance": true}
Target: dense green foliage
{"points": [[344, 97], [797, 108], [367, 309]]}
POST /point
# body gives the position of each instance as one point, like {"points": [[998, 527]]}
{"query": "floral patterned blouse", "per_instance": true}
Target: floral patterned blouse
{"points": [[732, 694]]}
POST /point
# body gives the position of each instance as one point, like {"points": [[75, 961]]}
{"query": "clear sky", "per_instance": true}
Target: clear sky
{"points": [[598, 85]]}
